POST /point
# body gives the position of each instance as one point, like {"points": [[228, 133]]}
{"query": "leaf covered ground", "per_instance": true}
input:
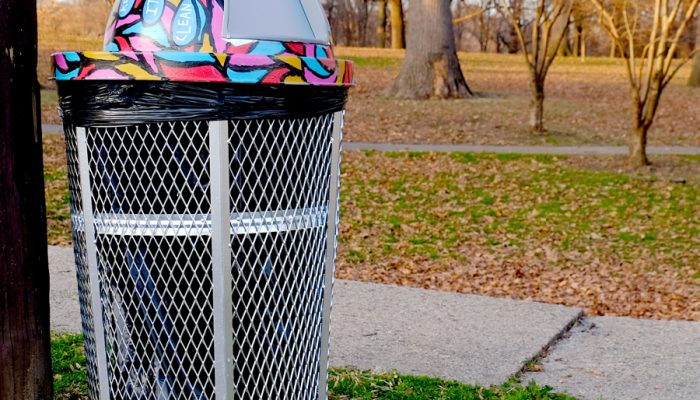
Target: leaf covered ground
{"points": [[578, 231], [527, 227]]}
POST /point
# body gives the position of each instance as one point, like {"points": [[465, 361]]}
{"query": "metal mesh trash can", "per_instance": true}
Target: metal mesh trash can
{"points": [[203, 163]]}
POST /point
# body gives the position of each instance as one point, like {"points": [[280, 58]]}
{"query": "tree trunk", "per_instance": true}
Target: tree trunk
{"points": [[381, 23], [25, 357], [537, 106], [694, 80], [398, 33], [564, 49], [484, 33], [638, 147], [431, 67]]}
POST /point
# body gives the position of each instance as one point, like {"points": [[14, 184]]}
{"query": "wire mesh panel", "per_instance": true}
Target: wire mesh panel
{"points": [[149, 192], [280, 175], [151, 205]]}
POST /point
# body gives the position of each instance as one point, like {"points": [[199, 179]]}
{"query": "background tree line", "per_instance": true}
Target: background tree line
{"points": [[655, 38], [481, 25]]}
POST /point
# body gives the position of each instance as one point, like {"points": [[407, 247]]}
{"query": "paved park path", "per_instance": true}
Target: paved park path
{"points": [[483, 340], [449, 148], [556, 150]]}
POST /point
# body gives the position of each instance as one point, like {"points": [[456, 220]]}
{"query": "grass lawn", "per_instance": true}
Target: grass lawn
{"points": [[570, 231], [70, 382]]}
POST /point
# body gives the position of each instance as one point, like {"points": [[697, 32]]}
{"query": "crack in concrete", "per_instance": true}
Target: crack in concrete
{"points": [[563, 334]]}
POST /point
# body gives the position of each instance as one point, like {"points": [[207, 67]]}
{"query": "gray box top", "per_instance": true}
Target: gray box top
{"points": [[279, 20]]}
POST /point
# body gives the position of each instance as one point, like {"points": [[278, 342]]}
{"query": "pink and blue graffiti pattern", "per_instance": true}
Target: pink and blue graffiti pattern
{"points": [[181, 40]]}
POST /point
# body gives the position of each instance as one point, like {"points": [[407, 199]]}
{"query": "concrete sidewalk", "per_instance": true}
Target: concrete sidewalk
{"points": [[624, 359], [483, 340]]}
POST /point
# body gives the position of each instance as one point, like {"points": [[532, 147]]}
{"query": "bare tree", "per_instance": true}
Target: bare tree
{"points": [[694, 80], [398, 32], [539, 56], [580, 28], [650, 71], [431, 67], [478, 22], [350, 21], [381, 23]]}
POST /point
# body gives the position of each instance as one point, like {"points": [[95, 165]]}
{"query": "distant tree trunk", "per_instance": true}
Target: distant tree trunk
{"points": [[398, 33], [638, 147], [25, 356], [644, 113], [484, 32], [381, 23], [564, 49], [579, 49], [537, 106], [431, 67], [695, 74]]}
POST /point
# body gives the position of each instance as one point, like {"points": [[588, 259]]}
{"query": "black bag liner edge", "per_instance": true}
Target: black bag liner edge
{"points": [[114, 103]]}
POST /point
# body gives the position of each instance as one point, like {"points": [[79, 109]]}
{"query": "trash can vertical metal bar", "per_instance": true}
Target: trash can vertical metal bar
{"points": [[91, 245], [331, 247], [221, 258]]}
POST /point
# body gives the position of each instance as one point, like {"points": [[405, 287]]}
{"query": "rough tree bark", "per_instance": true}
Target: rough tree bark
{"points": [[381, 23], [25, 358], [431, 67], [398, 33], [694, 80]]}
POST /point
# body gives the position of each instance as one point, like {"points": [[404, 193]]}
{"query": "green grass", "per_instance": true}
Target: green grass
{"points": [[70, 381], [375, 62], [68, 363]]}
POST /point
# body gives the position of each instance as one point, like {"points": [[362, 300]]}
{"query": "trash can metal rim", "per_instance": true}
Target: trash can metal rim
{"points": [[201, 224], [282, 69]]}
